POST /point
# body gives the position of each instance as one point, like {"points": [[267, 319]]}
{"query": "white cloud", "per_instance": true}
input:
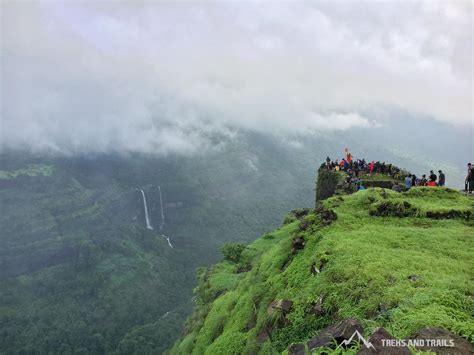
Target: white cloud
{"points": [[162, 77]]}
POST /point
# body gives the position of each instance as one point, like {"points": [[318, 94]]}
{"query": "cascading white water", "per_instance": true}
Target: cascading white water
{"points": [[147, 219], [162, 213], [168, 239], [163, 218]]}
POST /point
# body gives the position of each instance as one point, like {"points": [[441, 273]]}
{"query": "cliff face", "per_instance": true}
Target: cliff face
{"points": [[375, 258], [329, 183]]}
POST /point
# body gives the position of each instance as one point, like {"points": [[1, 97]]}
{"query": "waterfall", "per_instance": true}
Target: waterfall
{"points": [[148, 225], [168, 239], [162, 224], [162, 213]]}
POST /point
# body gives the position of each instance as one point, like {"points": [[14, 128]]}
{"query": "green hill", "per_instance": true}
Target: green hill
{"points": [[401, 261]]}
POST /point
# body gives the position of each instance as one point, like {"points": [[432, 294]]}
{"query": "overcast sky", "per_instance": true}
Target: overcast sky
{"points": [[163, 76]]}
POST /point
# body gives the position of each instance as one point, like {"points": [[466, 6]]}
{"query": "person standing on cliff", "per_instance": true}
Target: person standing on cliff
{"points": [[442, 178], [423, 180], [371, 167], [470, 179], [408, 182], [348, 156]]}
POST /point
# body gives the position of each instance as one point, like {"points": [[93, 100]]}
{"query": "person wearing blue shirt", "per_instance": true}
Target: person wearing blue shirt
{"points": [[408, 182]]}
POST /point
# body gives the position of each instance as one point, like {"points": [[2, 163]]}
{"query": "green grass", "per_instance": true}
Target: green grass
{"points": [[368, 264]]}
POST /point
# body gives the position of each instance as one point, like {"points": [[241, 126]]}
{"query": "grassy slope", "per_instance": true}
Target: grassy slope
{"points": [[369, 262]]}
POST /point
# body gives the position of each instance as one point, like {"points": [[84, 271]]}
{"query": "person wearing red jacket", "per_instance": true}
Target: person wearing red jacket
{"points": [[371, 167], [342, 163]]}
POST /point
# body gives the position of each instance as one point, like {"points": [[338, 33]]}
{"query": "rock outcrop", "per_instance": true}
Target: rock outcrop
{"points": [[441, 341], [335, 333], [379, 340]]}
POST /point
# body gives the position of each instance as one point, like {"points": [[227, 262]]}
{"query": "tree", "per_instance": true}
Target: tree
{"points": [[233, 251]]}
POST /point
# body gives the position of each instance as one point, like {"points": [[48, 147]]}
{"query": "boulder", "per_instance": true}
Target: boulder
{"points": [[327, 216], [315, 308], [263, 335], [300, 212], [304, 224], [296, 349], [297, 214], [297, 243], [376, 339], [441, 341], [339, 332], [285, 305]]}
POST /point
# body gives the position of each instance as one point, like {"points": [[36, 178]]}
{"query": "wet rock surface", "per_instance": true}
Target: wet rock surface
{"points": [[339, 332], [297, 243], [380, 341], [441, 341], [296, 349], [327, 216]]}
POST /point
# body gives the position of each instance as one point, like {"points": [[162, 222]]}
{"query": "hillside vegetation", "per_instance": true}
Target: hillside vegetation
{"points": [[402, 261]]}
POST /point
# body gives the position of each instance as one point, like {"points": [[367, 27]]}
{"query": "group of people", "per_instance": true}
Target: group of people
{"points": [[358, 166], [411, 180], [355, 167]]}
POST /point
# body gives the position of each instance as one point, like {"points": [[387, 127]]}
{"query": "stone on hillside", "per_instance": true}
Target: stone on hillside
{"points": [[317, 270], [284, 305], [304, 224], [376, 339], [301, 212], [327, 216], [316, 308], [298, 243], [296, 349], [338, 332], [441, 341], [297, 214], [264, 335]]}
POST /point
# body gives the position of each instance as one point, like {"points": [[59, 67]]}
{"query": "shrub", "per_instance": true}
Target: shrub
{"points": [[233, 251]]}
